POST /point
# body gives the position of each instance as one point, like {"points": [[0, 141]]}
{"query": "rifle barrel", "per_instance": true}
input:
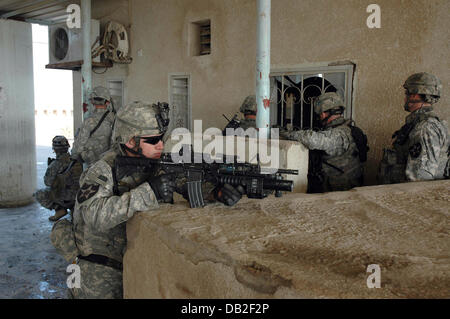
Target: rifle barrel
{"points": [[288, 171]]}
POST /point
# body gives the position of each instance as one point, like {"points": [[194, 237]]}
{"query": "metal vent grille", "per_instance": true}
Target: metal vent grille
{"points": [[205, 39], [61, 43]]}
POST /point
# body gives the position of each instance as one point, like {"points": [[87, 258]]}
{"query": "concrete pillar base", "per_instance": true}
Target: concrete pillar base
{"points": [[16, 203]]}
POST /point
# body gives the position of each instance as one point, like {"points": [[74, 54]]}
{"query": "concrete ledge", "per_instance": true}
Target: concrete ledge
{"points": [[297, 246]]}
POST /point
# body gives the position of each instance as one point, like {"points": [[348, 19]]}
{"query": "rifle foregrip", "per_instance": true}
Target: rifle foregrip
{"points": [[268, 183]]}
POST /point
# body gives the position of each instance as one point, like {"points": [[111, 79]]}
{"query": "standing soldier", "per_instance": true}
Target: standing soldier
{"points": [[62, 177], [420, 147], [94, 136], [336, 151]]}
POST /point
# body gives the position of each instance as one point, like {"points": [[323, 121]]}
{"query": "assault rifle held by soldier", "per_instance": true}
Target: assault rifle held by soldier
{"points": [[234, 123], [200, 169]]}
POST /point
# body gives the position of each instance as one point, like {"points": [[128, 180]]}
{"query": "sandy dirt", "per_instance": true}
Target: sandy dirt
{"points": [[30, 268]]}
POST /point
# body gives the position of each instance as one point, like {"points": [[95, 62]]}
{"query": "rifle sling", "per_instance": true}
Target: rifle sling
{"points": [[332, 166], [99, 123]]}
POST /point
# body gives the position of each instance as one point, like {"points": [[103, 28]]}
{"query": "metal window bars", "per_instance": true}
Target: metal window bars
{"points": [[293, 91]]}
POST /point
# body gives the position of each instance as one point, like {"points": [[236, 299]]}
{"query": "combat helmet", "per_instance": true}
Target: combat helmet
{"points": [[60, 144], [100, 95], [425, 84], [249, 105], [134, 120], [329, 101]]}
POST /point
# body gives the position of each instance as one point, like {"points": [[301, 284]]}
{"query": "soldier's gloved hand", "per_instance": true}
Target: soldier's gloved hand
{"points": [[163, 186], [229, 195]]}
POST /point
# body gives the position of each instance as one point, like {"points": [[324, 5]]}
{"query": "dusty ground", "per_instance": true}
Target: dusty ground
{"points": [[29, 265]]}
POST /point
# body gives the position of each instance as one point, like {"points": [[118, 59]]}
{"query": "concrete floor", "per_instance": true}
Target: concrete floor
{"points": [[30, 268]]}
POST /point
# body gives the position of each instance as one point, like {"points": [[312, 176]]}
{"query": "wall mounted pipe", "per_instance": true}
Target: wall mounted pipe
{"points": [[86, 68], [263, 68]]}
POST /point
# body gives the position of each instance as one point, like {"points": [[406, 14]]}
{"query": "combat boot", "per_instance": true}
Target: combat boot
{"points": [[58, 214]]}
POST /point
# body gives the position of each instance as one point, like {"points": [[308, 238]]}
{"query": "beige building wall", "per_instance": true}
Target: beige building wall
{"points": [[413, 38], [104, 11]]}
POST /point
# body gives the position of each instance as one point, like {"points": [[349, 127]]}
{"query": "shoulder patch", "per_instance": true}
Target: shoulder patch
{"points": [[103, 178], [87, 191], [415, 150]]}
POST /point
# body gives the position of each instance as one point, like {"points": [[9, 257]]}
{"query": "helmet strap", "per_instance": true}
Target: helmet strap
{"points": [[131, 150]]}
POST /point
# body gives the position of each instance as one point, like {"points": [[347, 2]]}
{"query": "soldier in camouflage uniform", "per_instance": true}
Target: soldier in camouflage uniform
{"points": [[420, 147], [248, 108], [109, 197], [62, 178], [336, 164], [94, 136]]}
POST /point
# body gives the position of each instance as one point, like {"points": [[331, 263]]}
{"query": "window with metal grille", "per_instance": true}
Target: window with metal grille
{"points": [[292, 93], [179, 101]]}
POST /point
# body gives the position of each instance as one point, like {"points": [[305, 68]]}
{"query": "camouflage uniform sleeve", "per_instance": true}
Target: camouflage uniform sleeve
{"points": [[79, 145], [51, 172], [103, 210], [333, 142], [426, 144]]}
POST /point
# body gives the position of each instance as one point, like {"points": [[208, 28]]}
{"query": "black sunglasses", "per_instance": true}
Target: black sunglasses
{"points": [[153, 140]]}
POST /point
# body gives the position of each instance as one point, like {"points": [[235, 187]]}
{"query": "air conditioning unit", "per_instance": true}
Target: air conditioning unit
{"points": [[66, 44]]}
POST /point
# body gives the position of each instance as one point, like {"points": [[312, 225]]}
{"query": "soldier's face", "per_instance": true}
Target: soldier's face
{"points": [[323, 115], [412, 102], [153, 151], [149, 150]]}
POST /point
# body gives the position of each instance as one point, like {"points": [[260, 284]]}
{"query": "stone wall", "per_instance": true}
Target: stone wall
{"points": [[299, 246]]}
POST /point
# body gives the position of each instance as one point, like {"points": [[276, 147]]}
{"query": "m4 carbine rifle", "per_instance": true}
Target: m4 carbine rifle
{"points": [[201, 168]]}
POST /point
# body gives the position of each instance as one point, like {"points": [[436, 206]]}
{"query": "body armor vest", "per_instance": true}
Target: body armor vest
{"points": [[393, 164], [336, 173]]}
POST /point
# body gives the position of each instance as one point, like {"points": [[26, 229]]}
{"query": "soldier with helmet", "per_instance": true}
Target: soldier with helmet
{"points": [[420, 147], [109, 196], [94, 136], [248, 108], [61, 179], [336, 151]]}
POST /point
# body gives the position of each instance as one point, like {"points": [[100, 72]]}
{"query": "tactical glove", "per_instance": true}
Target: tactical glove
{"points": [[229, 195], [163, 186]]}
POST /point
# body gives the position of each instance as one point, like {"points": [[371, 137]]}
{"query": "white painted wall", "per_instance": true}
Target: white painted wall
{"points": [[17, 135]]}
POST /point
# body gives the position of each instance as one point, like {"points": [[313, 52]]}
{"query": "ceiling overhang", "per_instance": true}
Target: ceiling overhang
{"points": [[45, 12]]}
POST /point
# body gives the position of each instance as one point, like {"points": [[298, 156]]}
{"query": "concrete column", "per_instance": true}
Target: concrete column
{"points": [[77, 100], [263, 68], [17, 129], [86, 68]]}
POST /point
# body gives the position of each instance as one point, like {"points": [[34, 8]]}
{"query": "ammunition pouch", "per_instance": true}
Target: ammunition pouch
{"points": [[63, 239], [391, 169]]}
